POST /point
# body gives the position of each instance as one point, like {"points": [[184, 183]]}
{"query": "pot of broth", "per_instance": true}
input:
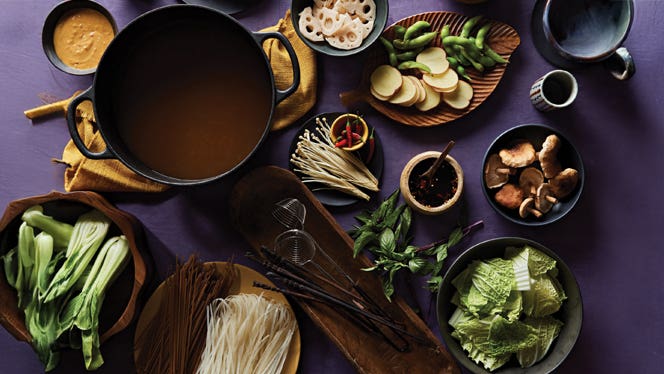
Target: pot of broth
{"points": [[183, 95]]}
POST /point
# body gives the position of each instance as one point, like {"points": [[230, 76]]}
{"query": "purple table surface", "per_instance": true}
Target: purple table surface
{"points": [[609, 240]]}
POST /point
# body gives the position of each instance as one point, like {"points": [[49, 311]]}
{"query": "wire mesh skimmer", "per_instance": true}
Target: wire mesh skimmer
{"points": [[290, 213]]}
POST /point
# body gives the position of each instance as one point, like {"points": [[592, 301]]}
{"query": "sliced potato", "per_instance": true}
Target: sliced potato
{"points": [[431, 100], [405, 94], [377, 95], [465, 89], [459, 98], [386, 80], [445, 82], [421, 94], [435, 59]]}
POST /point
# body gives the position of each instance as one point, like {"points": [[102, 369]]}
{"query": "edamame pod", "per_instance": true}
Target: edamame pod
{"points": [[479, 67], [468, 26], [465, 43], [454, 62], [445, 31], [462, 73], [391, 53], [420, 41], [399, 31], [413, 65], [406, 56], [493, 55], [481, 35], [416, 29], [487, 61]]}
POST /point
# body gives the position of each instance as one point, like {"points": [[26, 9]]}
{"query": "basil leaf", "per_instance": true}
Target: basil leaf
{"points": [[455, 237], [365, 238], [392, 217], [404, 223], [441, 253], [387, 240]]}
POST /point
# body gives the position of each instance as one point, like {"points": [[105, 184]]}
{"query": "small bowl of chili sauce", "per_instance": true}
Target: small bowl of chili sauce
{"points": [[435, 196]]}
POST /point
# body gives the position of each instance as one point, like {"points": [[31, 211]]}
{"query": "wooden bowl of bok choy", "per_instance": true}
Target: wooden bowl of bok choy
{"points": [[71, 273]]}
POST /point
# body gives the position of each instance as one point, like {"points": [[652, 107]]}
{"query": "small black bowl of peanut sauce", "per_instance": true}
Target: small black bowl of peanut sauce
{"points": [[76, 34]]}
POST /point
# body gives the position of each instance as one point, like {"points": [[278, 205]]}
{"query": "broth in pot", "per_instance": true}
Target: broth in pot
{"points": [[200, 99]]}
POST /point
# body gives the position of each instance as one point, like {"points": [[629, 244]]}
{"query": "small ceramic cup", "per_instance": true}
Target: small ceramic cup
{"points": [[554, 90]]}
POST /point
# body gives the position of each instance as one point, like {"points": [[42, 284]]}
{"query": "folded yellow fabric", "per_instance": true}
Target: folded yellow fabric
{"points": [[296, 105], [83, 173], [112, 176]]}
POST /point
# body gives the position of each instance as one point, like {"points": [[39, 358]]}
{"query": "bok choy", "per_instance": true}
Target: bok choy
{"points": [[61, 291]]}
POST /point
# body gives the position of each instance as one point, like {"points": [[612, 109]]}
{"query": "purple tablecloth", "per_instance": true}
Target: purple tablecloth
{"points": [[609, 240]]}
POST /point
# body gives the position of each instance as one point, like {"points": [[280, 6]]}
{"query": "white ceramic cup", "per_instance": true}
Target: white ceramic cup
{"points": [[554, 90]]}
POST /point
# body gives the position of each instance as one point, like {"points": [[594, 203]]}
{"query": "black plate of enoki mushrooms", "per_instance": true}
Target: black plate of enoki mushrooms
{"points": [[532, 175], [308, 158]]}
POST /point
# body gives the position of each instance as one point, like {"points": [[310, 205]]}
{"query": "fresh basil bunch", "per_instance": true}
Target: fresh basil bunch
{"points": [[385, 233]]}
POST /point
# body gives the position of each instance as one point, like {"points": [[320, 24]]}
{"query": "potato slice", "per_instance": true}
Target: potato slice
{"points": [[445, 82], [431, 100], [435, 59], [421, 94], [459, 98], [377, 95], [406, 93], [386, 80]]}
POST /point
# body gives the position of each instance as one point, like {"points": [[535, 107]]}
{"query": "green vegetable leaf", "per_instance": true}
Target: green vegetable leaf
{"points": [[387, 241], [404, 223], [547, 329], [416, 265], [362, 241], [545, 297], [441, 253], [392, 217]]}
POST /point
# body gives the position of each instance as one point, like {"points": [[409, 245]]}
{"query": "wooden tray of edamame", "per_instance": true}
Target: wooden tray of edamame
{"points": [[502, 38]]}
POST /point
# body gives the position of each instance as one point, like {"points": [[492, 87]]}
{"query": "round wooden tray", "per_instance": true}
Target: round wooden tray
{"points": [[502, 38], [243, 284]]}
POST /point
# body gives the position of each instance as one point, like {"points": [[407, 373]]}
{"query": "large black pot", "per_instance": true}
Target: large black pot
{"points": [[162, 64]]}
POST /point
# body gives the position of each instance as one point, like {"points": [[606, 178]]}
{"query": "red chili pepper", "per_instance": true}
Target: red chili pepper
{"points": [[348, 133], [356, 136], [341, 143], [372, 147]]}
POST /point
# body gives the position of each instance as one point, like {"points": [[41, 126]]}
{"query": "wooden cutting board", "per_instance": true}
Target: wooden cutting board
{"points": [[252, 201]]}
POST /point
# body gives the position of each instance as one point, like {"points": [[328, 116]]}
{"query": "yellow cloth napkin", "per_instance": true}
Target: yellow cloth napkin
{"points": [[83, 173], [112, 176], [296, 105]]}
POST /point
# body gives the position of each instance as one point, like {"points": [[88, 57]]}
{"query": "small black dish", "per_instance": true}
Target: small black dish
{"points": [[332, 197], [225, 6], [568, 156], [49, 29], [571, 312], [323, 47]]}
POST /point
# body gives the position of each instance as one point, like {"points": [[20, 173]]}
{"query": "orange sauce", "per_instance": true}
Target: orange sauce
{"points": [[81, 37]]}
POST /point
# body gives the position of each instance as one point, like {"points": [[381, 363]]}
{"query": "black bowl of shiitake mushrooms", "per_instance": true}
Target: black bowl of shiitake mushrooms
{"points": [[532, 175]]}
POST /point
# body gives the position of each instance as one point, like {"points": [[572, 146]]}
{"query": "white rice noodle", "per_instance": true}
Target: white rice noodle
{"points": [[246, 334]]}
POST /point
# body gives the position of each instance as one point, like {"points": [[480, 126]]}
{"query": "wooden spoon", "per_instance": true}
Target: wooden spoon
{"points": [[428, 175]]}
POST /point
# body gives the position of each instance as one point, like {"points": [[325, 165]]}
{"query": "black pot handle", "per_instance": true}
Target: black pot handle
{"points": [[73, 131], [260, 38]]}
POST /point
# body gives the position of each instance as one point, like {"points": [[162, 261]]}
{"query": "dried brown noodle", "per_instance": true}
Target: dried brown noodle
{"points": [[173, 341]]}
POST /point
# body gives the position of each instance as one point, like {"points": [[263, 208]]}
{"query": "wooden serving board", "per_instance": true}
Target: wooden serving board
{"points": [[502, 38], [252, 201]]}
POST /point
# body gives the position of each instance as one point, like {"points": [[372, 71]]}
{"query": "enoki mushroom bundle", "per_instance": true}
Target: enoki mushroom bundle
{"points": [[320, 161], [246, 334]]}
